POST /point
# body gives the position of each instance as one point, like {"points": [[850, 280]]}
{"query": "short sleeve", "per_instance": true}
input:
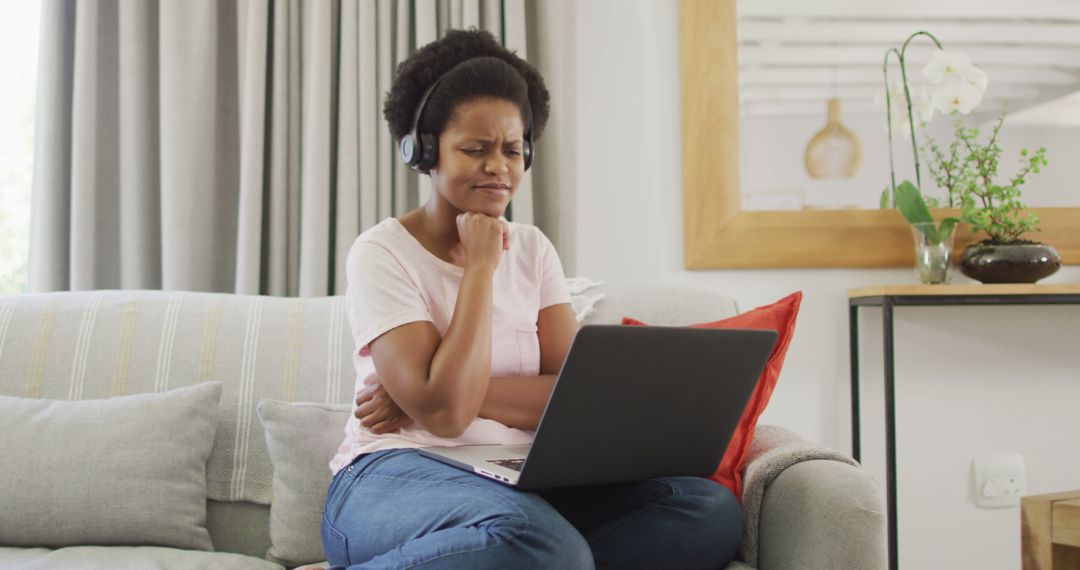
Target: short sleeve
{"points": [[553, 289], [380, 296]]}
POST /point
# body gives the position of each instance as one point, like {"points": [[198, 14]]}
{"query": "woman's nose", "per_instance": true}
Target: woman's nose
{"points": [[496, 164]]}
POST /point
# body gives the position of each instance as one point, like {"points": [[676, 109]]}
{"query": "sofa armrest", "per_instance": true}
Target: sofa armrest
{"points": [[822, 514], [806, 506]]}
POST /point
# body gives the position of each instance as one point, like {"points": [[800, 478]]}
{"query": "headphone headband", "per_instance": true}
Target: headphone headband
{"points": [[421, 150]]}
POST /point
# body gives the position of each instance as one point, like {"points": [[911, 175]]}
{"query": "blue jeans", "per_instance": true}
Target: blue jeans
{"points": [[399, 509]]}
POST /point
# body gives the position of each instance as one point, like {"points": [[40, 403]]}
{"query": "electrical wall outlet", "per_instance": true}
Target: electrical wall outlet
{"points": [[1000, 480]]}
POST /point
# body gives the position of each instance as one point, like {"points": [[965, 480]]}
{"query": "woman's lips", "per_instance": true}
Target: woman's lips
{"points": [[494, 191]]}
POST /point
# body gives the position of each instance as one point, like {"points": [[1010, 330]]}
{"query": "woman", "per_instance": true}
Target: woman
{"points": [[462, 320]]}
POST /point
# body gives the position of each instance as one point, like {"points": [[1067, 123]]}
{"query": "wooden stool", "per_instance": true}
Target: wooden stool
{"points": [[1050, 531]]}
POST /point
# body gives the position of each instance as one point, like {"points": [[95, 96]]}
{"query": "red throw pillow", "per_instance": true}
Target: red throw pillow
{"points": [[780, 317]]}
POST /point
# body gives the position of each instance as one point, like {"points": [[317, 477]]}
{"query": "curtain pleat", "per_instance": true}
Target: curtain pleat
{"points": [[233, 146], [491, 17], [347, 210], [470, 13], [50, 200], [404, 198], [551, 39], [384, 150], [512, 19], [292, 116], [253, 81], [274, 216], [456, 14], [199, 144], [426, 31], [315, 144], [369, 113], [140, 129], [95, 161]]}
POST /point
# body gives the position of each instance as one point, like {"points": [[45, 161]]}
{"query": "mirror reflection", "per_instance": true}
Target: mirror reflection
{"points": [[813, 128]]}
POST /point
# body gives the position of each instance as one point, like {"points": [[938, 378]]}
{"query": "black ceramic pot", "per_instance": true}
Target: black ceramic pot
{"points": [[1011, 263]]}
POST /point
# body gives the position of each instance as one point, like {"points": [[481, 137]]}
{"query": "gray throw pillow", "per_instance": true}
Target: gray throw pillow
{"points": [[302, 439], [126, 470]]}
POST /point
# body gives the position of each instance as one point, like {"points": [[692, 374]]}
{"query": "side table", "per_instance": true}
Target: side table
{"points": [[888, 298], [1050, 531]]}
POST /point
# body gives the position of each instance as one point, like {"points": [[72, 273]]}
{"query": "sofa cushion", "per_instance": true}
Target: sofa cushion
{"points": [[302, 439], [240, 527], [125, 470], [658, 304], [779, 316], [127, 558], [79, 345]]}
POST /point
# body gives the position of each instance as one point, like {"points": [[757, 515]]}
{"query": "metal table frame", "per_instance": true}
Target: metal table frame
{"points": [[888, 302]]}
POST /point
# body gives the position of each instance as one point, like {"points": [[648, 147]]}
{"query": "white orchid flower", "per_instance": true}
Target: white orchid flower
{"points": [[922, 106], [977, 77], [946, 65], [959, 85], [899, 120], [896, 92], [957, 95], [896, 104]]}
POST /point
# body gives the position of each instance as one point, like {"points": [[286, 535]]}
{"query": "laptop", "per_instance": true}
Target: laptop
{"points": [[630, 404]]}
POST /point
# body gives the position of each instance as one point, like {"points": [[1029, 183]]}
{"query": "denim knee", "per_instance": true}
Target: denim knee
{"points": [[550, 543], [573, 553], [570, 551], [718, 511], [710, 497]]}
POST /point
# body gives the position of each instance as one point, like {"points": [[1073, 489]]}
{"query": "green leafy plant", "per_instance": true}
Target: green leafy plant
{"points": [[916, 211], [968, 171], [948, 167]]}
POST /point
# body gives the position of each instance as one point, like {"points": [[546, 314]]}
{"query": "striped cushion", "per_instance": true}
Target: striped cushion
{"points": [[97, 344]]}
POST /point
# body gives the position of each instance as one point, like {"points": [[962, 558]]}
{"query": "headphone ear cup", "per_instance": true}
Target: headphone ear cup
{"points": [[429, 152], [527, 151], [410, 155]]}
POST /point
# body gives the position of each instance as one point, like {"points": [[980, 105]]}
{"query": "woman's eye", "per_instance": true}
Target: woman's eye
{"points": [[513, 152], [474, 151]]}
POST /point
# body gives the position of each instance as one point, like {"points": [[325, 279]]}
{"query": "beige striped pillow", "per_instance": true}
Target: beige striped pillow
{"points": [[125, 470]]}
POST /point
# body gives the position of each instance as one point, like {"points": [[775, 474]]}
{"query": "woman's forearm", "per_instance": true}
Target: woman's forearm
{"points": [[461, 367], [517, 401]]}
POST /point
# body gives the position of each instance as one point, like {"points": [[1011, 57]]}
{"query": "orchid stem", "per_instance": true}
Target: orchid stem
{"points": [[907, 100], [888, 119]]}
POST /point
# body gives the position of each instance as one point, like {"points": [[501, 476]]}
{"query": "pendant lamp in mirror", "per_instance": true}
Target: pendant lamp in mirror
{"points": [[835, 151]]}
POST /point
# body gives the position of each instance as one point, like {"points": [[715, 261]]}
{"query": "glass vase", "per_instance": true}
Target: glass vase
{"points": [[933, 253]]}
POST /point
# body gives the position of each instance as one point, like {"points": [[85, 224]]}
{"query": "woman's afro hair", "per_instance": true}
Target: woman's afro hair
{"points": [[481, 67]]}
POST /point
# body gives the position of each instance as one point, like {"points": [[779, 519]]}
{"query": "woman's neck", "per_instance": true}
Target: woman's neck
{"points": [[434, 225], [439, 221]]}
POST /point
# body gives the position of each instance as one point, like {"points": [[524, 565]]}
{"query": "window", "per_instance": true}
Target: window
{"points": [[19, 28]]}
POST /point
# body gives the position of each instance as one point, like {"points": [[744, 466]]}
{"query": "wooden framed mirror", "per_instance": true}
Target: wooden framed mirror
{"points": [[718, 234]]}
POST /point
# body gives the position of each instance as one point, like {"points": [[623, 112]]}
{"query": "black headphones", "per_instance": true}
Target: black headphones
{"points": [[421, 150]]}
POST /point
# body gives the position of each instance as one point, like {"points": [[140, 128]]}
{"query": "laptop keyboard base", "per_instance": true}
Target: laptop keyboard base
{"points": [[515, 464]]}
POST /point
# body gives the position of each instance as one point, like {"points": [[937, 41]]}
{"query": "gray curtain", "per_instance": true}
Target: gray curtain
{"points": [[551, 29], [237, 145]]}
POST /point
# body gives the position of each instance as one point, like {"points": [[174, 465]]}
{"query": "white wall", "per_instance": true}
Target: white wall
{"points": [[965, 387], [1058, 185]]}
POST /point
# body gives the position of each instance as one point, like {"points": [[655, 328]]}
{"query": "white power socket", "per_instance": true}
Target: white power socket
{"points": [[999, 480]]}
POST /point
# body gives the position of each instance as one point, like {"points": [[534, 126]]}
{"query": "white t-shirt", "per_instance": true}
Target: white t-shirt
{"points": [[393, 280]]}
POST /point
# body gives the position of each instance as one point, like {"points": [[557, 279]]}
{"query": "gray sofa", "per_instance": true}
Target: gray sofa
{"points": [[285, 373]]}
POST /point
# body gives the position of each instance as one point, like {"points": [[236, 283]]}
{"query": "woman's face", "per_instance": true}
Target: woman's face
{"points": [[480, 156]]}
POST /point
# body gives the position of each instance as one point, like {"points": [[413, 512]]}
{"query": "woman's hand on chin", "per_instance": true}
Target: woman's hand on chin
{"points": [[483, 238]]}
